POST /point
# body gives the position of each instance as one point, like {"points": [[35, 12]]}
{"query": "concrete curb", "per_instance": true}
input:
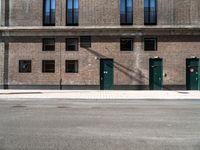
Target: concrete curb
{"points": [[99, 95]]}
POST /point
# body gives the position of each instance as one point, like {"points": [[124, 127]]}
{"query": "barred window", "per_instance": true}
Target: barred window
{"points": [[150, 44], [85, 41], [72, 44], [71, 66], [126, 44], [49, 44], [25, 66], [48, 66]]}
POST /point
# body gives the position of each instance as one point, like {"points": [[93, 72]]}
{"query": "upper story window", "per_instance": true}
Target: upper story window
{"points": [[150, 12], [49, 12], [126, 12], [72, 12]]}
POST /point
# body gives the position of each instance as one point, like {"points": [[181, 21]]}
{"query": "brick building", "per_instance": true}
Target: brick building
{"points": [[100, 44]]}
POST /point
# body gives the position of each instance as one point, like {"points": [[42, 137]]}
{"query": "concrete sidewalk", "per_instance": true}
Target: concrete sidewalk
{"points": [[96, 94]]}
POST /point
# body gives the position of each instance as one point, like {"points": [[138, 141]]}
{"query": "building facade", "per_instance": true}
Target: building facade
{"points": [[100, 44]]}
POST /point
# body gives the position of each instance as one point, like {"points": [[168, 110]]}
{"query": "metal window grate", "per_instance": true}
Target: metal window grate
{"points": [[49, 44], [71, 66], [85, 41], [150, 44], [72, 44], [25, 66], [126, 44], [48, 66]]}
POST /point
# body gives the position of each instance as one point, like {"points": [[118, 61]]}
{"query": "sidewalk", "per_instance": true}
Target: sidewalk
{"points": [[95, 94]]}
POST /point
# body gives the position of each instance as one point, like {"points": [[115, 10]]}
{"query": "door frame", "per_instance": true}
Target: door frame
{"points": [[188, 87], [151, 84], [102, 87]]}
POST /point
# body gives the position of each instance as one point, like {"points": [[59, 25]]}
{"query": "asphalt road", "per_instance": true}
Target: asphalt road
{"points": [[99, 124]]}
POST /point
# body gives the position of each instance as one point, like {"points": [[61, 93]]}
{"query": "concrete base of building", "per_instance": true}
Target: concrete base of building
{"points": [[91, 87]]}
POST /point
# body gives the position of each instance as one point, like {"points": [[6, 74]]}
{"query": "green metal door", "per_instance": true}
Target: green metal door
{"points": [[106, 74], [155, 74], [192, 74]]}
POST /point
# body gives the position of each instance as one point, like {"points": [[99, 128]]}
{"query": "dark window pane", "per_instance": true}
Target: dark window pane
{"points": [[49, 44], [126, 12], [150, 44], [48, 66], [126, 44], [71, 66], [72, 44], [24, 66], [150, 12], [49, 12], [85, 41], [72, 12]]}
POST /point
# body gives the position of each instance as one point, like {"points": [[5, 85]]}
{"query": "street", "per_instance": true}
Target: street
{"points": [[58, 124]]}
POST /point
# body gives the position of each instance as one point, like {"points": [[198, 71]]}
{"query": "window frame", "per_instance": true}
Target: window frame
{"points": [[155, 42], [50, 18], [43, 44], [131, 39], [88, 44], [21, 70], [76, 63], [43, 66], [149, 13], [126, 14], [73, 14], [77, 44]]}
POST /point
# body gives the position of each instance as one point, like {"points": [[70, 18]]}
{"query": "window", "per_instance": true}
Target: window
{"points": [[49, 12], [85, 41], [72, 12], [71, 66], [24, 66], [49, 44], [126, 44], [150, 12], [72, 44], [48, 66], [126, 12], [150, 44]]}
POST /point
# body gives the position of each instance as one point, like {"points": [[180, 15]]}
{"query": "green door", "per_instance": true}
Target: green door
{"points": [[192, 74], [155, 74], [106, 74]]}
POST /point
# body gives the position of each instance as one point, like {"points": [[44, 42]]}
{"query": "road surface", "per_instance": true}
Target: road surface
{"points": [[53, 124]]}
